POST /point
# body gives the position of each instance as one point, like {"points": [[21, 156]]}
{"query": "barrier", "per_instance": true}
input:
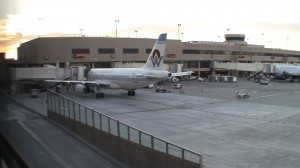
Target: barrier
{"points": [[130, 145]]}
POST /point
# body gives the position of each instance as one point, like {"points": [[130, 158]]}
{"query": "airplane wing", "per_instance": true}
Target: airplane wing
{"points": [[150, 76], [144, 75], [98, 82], [176, 74]]}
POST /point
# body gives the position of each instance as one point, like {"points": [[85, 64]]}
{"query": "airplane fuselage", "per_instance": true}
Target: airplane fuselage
{"points": [[293, 70], [126, 78]]}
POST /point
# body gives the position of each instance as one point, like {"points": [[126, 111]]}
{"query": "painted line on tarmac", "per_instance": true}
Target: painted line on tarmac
{"points": [[46, 147], [265, 96]]}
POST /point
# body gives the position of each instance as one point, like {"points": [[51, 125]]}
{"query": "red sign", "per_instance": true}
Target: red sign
{"points": [[78, 55], [171, 55]]}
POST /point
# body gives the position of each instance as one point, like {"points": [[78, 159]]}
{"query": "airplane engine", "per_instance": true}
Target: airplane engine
{"points": [[81, 88], [280, 77], [175, 80]]}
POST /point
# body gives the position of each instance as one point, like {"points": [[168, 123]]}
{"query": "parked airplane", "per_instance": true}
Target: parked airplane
{"points": [[287, 72], [128, 79]]}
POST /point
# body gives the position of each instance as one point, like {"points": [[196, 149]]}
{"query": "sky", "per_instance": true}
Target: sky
{"points": [[272, 23]]}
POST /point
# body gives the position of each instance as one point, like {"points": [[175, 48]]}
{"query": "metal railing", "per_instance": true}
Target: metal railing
{"points": [[76, 111]]}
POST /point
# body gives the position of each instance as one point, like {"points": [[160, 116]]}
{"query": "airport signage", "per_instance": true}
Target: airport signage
{"points": [[171, 55], [78, 55]]}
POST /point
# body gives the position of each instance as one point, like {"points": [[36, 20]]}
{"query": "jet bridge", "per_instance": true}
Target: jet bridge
{"points": [[24, 79], [250, 67]]}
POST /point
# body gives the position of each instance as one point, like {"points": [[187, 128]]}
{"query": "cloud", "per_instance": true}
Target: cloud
{"points": [[10, 6], [9, 41], [5, 38]]}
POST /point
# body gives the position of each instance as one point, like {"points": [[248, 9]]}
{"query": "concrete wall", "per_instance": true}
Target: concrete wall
{"points": [[131, 154]]}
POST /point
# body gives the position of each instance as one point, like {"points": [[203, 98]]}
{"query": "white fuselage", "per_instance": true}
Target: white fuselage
{"points": [[295, 70], [126, 78]]}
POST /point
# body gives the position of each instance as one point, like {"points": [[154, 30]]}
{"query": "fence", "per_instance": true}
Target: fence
{"points": [[128, 144]]}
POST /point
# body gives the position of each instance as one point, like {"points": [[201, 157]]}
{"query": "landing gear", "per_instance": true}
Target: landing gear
{"points": [[99, 94], [131, 92]]}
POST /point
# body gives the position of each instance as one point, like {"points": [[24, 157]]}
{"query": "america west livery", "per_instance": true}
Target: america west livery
{"points": [[128, 79]]}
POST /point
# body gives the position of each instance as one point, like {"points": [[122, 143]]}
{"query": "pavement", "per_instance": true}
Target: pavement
{"points": [[262, 131], [42, 143]]}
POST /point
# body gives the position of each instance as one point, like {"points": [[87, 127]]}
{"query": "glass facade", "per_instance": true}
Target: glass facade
{"points": [[130, 51], [106, 51]]}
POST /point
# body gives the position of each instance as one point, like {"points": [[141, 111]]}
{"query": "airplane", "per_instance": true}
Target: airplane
{"points": [[287, 72], [128, 79]]}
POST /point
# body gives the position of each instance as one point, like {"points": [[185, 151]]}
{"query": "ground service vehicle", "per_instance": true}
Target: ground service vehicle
{"points": [[160, 88], [242, 95]]}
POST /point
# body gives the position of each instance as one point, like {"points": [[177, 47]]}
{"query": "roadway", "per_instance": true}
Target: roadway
{"points": [[261, 131]]}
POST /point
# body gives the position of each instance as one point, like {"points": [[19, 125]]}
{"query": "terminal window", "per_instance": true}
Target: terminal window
{"points": [[192, 64], [219, 52], [187, 51], [80, 51], [106, 51], [130, 51], [148, 51], [205, 64], [207, 52]]}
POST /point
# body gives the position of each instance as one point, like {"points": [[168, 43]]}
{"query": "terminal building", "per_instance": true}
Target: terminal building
{"points": [[104, 52]]}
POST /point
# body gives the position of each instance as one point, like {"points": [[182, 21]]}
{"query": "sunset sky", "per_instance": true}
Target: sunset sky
{"points": [[205, 20]]}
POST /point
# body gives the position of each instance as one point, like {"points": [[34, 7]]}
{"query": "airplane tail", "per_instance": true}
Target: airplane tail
{"points": [[156, 57]]}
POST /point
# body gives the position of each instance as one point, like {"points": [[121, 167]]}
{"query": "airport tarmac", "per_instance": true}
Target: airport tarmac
{"points": [[230, 132], [41, 143], [262, 131]]}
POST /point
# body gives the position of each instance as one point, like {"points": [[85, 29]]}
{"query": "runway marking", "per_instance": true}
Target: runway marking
{"points": [[297, 133], [46, 147], [264, 96]]}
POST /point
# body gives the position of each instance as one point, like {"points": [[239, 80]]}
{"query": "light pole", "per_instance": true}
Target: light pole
{"points": [[81, 32], [219, 38], [287, 43], [179, 31], [181, 37], [228, 31], [271, 44], [117, 21], [262, 39], [136, 31], [226, 39], [40, 21]]}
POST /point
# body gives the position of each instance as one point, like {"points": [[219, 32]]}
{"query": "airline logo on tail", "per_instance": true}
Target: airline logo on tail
{"points": [[156, 58]]}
